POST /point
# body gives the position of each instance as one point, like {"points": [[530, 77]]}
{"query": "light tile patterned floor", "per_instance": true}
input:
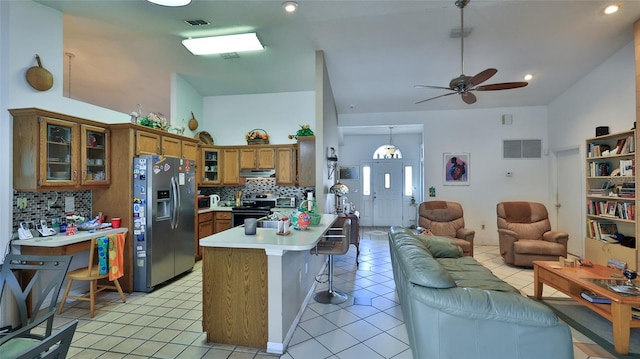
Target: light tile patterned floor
{"points": [[167, 322]]}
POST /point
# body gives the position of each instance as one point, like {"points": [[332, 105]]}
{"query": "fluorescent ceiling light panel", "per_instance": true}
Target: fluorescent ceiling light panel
{"points": [[170, 2], [222, 44]]}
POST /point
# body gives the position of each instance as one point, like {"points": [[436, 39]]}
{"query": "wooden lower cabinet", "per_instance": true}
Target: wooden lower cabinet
{"points": [[235, 296], [600, 252], [205, 228], [222, 221]]}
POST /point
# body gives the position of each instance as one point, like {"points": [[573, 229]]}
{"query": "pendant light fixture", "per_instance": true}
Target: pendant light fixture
{"points": [[391, 150]]}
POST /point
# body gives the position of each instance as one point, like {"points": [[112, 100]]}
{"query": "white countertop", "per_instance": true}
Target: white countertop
{"points": [[63, 240], [267, 239], [214, 209]]}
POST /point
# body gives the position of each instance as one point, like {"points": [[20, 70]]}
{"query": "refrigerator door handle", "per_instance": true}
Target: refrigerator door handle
{"points": [[172, 217], [177, 203]]}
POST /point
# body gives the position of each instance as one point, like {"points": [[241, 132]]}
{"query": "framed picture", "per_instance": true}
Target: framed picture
{"points": [[456, 169], [349, 172]]}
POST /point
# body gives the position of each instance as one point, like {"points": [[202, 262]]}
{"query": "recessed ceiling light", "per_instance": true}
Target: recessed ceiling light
{"points": [[611, 9], [528, 77], [170, 2], [290, 6], [223, 44]]}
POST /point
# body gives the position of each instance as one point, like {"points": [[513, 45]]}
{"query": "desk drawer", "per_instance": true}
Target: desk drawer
{"points": [[554, 280]]}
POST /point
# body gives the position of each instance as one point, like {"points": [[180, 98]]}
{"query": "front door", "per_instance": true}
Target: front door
{"points": [[382, 206]]}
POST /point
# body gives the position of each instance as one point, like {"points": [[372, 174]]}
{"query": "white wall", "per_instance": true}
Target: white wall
{"points": [[358, 148], [185, 101], [229, 118], [480, 133], [605, 97]]}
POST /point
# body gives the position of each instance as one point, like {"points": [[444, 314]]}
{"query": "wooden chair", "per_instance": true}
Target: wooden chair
{"points": [[333, 244], [91, 273], [54, 346], [35, 283]]}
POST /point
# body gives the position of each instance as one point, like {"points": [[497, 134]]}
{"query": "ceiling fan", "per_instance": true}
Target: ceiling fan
{"points": [[463, 84]]}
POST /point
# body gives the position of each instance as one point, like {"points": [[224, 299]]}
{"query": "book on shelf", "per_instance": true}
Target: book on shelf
{"points": [[627, 167], [620, 145], [594, 297], [599, 169], [607, 230]]}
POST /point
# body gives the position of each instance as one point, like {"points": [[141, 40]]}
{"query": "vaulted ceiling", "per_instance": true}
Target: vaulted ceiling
{"points": [[124, 52]]}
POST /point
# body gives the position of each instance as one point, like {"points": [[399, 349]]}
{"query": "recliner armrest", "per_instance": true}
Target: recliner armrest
{"points": [[466, 233], [556, 236], [508, 233]]}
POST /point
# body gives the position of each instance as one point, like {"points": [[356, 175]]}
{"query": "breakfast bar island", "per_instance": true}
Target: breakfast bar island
{"points": [[255, 287]]}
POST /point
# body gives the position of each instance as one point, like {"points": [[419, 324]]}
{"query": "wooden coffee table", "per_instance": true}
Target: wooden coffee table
{"points": [[574, 280]]}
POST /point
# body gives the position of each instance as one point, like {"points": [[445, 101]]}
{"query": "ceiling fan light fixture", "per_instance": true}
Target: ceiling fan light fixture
{"points": [[528, 77], [223, 44], [290, 6], [172, 3], [611, 9]]}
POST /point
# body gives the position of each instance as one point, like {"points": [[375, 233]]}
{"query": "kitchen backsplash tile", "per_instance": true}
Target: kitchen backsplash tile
{"points": [[257, 185], [37, 205]]}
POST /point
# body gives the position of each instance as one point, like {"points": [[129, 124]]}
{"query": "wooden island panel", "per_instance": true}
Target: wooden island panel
{"points": [[234, 296]]}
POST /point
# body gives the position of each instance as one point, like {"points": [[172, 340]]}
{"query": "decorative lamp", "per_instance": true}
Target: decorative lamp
{"points": [[340, 190]]}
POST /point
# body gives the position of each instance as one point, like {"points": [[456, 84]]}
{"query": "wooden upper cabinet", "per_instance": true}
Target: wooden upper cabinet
{"points": [[95, 155], [285, 165], [147, 143], [56, 150], [257, 158], [230, 166], [152, 143], [171, 147], [307, 161], [190, 150], [209, 167]]}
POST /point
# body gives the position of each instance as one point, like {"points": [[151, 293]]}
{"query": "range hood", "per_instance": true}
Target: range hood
{"points": [[257, 173]]}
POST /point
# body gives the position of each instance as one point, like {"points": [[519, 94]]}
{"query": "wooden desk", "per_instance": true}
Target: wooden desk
{"points": [[355, 230], [58, 245]]}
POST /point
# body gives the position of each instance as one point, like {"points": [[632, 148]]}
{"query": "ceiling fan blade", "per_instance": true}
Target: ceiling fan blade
{"points": [[431, 87], [501, 86], [481, 77], [468, 97], [433, 98]]}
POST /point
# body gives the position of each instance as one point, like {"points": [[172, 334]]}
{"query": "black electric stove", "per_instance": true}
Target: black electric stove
{"points": [[253, 206]]}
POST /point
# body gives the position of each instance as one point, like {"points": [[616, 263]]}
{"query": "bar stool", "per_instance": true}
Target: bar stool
{"points": [[331, 245]]}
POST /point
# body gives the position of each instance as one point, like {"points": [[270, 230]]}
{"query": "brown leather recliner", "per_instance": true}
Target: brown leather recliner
{"points": [[525, 235], [446, 219]]}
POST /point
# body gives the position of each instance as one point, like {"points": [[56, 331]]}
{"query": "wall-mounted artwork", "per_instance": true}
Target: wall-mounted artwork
{"points": [[456, 169], [349, 172]]}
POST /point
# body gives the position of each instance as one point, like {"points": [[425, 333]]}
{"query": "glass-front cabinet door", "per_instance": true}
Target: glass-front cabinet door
{"points": [[59, 164], [210, 167], [95, 159]]}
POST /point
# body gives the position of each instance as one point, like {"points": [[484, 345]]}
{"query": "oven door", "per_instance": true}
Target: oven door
{"points": [[239, 216]]}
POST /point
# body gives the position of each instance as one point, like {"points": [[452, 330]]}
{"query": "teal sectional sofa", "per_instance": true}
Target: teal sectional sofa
{"points": [[455, 308]]}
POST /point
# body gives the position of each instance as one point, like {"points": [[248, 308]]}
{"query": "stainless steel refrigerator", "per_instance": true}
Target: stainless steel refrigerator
{"points": [[163, 219]]}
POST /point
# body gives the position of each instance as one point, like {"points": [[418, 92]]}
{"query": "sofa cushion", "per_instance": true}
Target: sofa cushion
{"points": [[418, 264], [468, 273], [441, 247]]}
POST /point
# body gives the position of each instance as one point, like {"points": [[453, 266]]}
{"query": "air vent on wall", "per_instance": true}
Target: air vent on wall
{"points": [[522, 148], [230, 55], [197, 22]]}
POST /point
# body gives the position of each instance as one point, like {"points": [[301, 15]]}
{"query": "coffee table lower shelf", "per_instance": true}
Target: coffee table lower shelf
{"points": [[574, 280]]}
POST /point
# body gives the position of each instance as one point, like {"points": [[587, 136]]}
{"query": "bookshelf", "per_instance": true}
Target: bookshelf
{"points": [[610, 197]]}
